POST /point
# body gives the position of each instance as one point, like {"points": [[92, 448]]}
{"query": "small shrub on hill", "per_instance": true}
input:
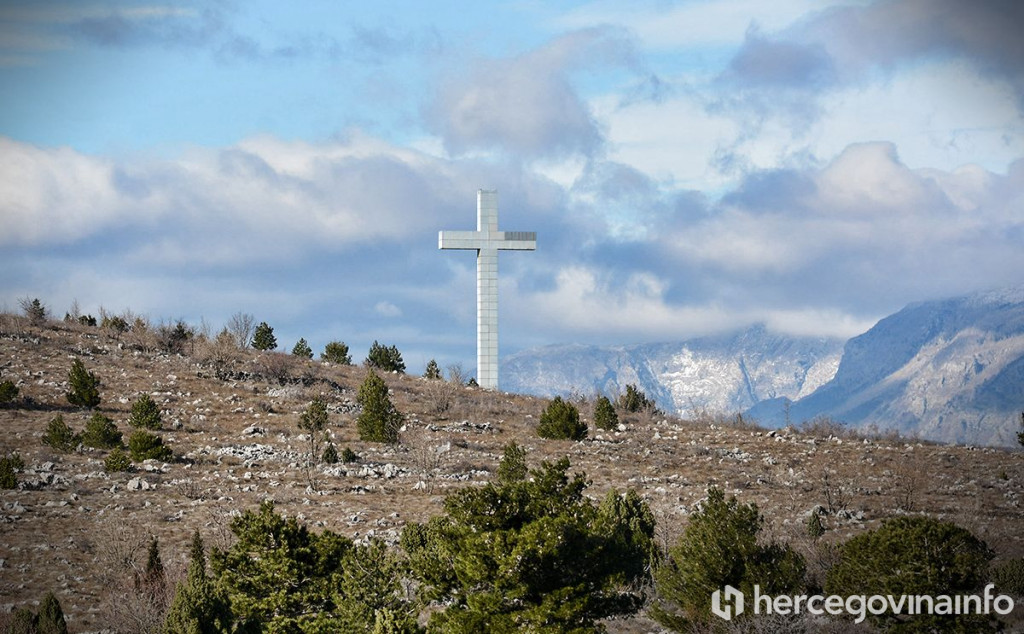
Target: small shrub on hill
{"points": [[560, 420], [85, 386], [913, 555], [117, 461], [432, 372], [145, 413], [101, 433], [385, 359], [302, 349], [8, 391], [10, 465], [720, 547], [379, 421], [1009, 577], [634, 400], [336, 352], [144, 446], [34, 310], [60, 436], [604, 414], [263, 338]]}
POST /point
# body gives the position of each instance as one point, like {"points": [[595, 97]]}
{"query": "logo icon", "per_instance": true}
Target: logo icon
{"points": [[733, 603]]}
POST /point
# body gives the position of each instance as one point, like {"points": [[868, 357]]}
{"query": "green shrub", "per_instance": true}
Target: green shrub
{"points": [[719, 547], [10, 465], [302, 349], [347, 455], [634, 400], [145, 413], [1009, 577], [101, 433], [314, 422], [85, 386], [378, 421], [336, 352], [604, 414], [59, 436], [51, 616], [532, 554], [915, 556], [117, 461], [199, 607], [34, 310], [560, 420], [385, 359], [433, 371], [263, 338], [8, 391], [512, 467], [330, 455], [144, 446]]}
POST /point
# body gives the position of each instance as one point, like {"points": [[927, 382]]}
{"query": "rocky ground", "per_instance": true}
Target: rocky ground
{"points": [[231, 419]]}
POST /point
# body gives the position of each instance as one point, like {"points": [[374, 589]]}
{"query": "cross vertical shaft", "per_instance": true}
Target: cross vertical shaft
{"points": [[487, 241]]}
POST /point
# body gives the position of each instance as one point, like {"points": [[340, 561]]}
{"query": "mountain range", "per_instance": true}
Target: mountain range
{"points": [[949, 370]]}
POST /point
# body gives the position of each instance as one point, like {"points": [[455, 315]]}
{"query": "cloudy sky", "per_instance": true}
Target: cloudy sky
{"points": [[689, 166]]}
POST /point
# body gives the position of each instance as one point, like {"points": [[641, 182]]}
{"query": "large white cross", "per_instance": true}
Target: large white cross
{"points": [[487, 240]]}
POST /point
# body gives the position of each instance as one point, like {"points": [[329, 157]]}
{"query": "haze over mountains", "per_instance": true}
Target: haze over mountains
{"points": [[949, 370]]}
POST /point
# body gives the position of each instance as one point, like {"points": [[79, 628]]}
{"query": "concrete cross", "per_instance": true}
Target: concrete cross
{"points": [[487, 240]]}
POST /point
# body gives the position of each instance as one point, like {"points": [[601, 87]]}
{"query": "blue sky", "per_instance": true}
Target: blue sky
{"points": [[689, 167]]}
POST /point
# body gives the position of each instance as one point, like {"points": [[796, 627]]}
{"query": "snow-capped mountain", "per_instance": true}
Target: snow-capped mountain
{"points": [[949, 370], [723, 373]]}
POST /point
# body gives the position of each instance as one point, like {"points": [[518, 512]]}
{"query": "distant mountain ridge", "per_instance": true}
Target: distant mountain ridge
{"points": [[720, 373], [949, 370]]}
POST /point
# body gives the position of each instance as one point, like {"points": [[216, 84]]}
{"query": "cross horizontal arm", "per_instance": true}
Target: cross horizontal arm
{"points": [[504, 240]]}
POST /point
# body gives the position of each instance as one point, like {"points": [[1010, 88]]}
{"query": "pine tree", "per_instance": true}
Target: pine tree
{"points": [[302, 349], [85, 387], [145, 446], [336, 352], [101, 433], [432, 371], [263, 339], [604, 414], [386, 359], [314, 422], [59, 436], [560, 420], [117, 461], [198, 607], [634, 400], [51, 617], [378, 421], [532, 554], [8, 391], [145, 413]]}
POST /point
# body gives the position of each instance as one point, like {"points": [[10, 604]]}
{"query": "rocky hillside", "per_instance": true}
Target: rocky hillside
{"points": [[722, 373], [231, 418], [950, 370]]}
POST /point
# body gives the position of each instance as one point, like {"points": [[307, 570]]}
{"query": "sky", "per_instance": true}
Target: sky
{"points": [[689, 167]]}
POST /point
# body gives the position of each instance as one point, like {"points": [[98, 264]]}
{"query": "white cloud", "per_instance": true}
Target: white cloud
{"points": [[387, 309]]}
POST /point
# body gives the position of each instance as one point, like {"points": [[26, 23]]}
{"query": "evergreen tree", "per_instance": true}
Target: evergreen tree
{"points": [[59, 436], [145, 446], [51, 616], [634, 400], [302, 349], [117, 461], [85, 387], [101, 433], [532, 554], [263, 338], [604, 414], [198, 607], [152, 580], [145, 413], [9, 466], [560, 420], [432, 371], [8, 391], [385, 359], [314, 422], [378, 421], [914, 555], [280, 577], [512, 467], [330, 455], [34, 310], [336, 352], [720, 547], [1020, 434]]}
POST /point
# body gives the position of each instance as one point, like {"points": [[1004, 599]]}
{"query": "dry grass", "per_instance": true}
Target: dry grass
{"points": [[231, 417]]}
